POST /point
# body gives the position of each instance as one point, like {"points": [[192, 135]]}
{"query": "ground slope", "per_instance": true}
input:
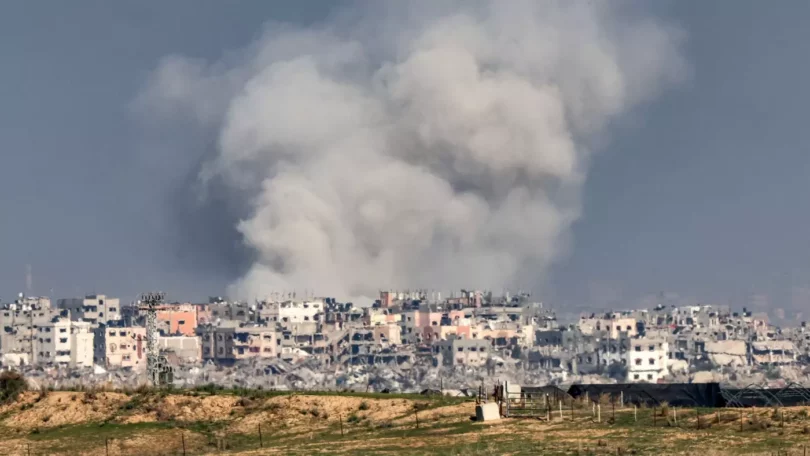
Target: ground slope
{"points": [[254, 423]]}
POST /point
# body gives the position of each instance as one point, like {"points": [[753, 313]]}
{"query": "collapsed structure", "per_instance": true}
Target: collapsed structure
{"points": [[405, 341]]}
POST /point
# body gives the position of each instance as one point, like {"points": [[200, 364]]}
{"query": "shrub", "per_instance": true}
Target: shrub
{"points": [[353, 418], [209, 388], [314, 412], [89, 396], [163, 415], [143, 388], [364, 405], [131, 404], [11, 385], [664, 408]]}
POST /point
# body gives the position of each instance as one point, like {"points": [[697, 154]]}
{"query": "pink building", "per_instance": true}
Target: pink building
{"points": [[180, 318]]}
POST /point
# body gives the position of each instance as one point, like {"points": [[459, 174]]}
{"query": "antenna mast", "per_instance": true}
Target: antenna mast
{"points": [[158, 370]]}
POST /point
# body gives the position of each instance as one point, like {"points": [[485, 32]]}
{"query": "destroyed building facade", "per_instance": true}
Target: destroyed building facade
{"points": [[406, 340]]}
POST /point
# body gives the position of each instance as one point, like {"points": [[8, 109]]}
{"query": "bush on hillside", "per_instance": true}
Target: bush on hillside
{"points": [[12, 383]]}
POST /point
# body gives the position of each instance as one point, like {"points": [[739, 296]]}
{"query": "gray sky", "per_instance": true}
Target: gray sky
{"points": [[701, 193]]}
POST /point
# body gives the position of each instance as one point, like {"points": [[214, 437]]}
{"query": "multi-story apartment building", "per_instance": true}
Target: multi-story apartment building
{"points": [[230, 342], [23, 324], [647, 360], [177, 319], [120, 346], [291, 312], [65, 343], [94, 309], [464, 352], [611, 325]]}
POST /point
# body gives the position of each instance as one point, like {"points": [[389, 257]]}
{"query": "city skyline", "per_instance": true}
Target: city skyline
{"points": [[698, 193]]}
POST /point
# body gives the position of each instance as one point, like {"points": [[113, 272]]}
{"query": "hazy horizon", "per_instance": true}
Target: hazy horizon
{"points": [[693, 189]]}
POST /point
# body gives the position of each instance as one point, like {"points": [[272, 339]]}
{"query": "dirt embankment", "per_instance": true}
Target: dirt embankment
{"points": [[35, 410]]}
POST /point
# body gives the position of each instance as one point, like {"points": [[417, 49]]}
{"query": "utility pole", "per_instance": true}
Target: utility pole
{"points": [[30, 329]]}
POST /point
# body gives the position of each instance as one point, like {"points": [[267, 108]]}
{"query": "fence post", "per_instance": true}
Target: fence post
{"points": [[635, 413], [561, 416], [698, 417], [621, 404], [29, 449], [572, 409], [505, 397], [107, 446], [613, 403], [261, 441], [416, 413], [741, 419], [675, 415], [599, 413], [183, 439], [340, 416]]}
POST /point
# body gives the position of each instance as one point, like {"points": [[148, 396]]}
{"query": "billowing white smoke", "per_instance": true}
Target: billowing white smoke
{"points": [[439, 151]]}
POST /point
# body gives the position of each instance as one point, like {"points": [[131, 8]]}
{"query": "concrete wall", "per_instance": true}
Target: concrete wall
{"points": [[188, 348]]}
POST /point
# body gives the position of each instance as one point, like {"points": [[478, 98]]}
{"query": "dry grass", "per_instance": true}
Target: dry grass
{"points": [[149, 423]]}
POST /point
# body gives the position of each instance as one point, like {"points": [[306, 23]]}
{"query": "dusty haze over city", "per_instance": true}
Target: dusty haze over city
{"points": [[594, 153]]}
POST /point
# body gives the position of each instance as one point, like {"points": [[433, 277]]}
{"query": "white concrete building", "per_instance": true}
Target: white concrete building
{"points": [[53, 342], [63, 342], [287, 312], [81, 344], [647, 360]]}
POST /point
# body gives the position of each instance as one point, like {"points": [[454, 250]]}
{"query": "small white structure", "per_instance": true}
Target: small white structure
{"points": [[487, 412]]}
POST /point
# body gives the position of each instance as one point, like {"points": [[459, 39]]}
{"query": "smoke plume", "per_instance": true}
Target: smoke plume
{"points": [[414, 145]]}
